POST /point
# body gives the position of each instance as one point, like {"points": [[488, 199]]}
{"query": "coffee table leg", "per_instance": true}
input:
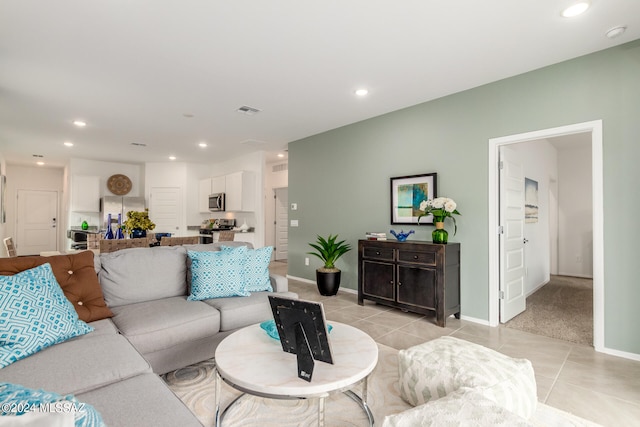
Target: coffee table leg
{"points": [[218, 392], [321, 411]]}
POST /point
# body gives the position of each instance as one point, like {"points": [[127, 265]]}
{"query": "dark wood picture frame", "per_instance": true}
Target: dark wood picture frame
{"points": [[406, 194]]}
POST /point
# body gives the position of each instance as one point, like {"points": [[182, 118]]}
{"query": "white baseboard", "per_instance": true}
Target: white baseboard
{"points": [[475, 320], [624, 354], [536, 289], [300, 279], [581, 276]]}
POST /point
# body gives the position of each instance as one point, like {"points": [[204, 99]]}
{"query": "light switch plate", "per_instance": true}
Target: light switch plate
{"points": [[294, 222], [294, 206]]}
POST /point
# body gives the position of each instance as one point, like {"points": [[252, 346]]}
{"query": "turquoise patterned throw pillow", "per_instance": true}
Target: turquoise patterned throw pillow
{"points": [[17, 400], [34, 314], [255, 271], [217, 274]]}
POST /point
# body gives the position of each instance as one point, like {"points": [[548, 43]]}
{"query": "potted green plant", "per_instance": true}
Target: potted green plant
{"points": [[138, 223], [329, 251]]}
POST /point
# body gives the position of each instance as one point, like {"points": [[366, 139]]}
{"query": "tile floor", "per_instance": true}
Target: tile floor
{"points": [[601, 388]]}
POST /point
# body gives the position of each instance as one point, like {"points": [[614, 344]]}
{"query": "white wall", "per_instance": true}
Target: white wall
{"points": [[575, 215], [273, 180], [540, 165], [3, 171]]}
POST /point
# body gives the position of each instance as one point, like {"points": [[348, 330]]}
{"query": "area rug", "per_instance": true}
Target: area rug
{"points": [[562, 309], [195, 386]]}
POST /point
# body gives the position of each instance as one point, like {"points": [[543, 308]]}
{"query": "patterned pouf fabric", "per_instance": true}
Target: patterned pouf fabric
{"points": [[439, 367]]}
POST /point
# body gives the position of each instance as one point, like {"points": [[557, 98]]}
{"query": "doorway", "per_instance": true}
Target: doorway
{"points": [[36, 222], [281, 223], [165, 209], [594, 129]]}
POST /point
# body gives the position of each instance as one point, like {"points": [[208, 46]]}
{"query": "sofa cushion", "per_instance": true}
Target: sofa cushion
{"points": [[154, 325], [78, 365], [141, 401], [238, 312], [75, 274], [436, 368], [462, 407], [34, 314], [217, 274], [135, 275], [27, 399], [255, 268]]}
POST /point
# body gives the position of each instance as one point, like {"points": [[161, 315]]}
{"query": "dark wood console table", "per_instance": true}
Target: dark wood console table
{"points": [[417, 276]]}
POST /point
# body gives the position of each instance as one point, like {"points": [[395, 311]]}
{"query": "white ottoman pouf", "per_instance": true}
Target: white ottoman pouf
{"points": [[436, 368], [465, 407]]}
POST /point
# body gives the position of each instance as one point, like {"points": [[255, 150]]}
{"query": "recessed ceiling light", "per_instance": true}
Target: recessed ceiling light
{"points": [[280, 155], [80, 123], [362, 92], [68, 144], [575, 9], [172, 157], [202, 144], [40, 163], [616, 31]]}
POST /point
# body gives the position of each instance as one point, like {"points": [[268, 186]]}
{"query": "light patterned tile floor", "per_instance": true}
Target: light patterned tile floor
{"points": [[601, 388]]}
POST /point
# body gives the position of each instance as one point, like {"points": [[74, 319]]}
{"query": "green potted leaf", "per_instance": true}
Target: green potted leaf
{"points": [[329, 251]]}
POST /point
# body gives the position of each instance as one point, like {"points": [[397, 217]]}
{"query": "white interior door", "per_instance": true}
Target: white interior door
{"points": [[165, 208], [37, 222], [282, 218], [512, 271]]}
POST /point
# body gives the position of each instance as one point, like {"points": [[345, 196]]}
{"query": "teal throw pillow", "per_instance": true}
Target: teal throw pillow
{"points": [[17, 400], [217, 274], [34, 314], [255, 270]]}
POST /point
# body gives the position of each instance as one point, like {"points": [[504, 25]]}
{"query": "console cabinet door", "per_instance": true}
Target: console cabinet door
{"points": [[417, 286], [378, 279]]}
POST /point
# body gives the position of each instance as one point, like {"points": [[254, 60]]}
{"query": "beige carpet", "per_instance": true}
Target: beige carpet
{"points": [[195, 385], [562, 309]]}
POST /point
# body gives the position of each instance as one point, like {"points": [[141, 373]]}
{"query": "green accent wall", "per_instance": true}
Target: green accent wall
{"points": [[340, 178]]}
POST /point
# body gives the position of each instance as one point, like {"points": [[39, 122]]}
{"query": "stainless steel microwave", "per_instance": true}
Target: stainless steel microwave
{"points": [[216, 202]]}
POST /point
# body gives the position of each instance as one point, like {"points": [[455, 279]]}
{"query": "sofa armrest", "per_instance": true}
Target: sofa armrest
{"points": [[279, 283]]}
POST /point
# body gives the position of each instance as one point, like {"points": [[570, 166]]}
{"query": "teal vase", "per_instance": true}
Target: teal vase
{"points": [[440, 235]]}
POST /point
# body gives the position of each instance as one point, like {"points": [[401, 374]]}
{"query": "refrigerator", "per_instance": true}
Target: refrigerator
{"points": [[115, 205]]}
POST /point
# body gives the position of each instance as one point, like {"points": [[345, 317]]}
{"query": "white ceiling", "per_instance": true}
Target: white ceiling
{"points": [[133, 69]]}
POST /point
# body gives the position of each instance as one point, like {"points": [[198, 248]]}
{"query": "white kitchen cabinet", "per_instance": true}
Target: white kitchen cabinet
{"points": [[240, 192], [204, 189], [85, 193], [218, 184]]}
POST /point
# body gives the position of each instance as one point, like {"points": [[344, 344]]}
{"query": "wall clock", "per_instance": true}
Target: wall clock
{"points": [[119, 184]]}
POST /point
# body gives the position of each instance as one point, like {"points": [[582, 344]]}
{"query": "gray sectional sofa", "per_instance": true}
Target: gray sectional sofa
{"points": [[154, 330]]}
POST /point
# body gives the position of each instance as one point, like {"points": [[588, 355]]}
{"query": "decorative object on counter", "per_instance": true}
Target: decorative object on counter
{"points": [[119, 233], [108, 235], [406, 194], [85, 225], [329, 251], [440, 208], [244, 227], [138, 223], [119, 184], [401, 236]]}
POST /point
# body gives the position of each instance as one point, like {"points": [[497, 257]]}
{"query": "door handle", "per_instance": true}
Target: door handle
{"points": [[525, 240], [53, 224]]}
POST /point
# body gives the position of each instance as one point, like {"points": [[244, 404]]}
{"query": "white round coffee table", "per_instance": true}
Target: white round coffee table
{"points": [[252, 362]]}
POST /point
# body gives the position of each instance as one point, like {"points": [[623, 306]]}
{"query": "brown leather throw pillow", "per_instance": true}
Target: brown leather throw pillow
{"points": [[77, 277]]}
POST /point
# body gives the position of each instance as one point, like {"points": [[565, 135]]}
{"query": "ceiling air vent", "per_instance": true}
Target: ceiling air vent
{"points": [[249, 111], [280, 168]]}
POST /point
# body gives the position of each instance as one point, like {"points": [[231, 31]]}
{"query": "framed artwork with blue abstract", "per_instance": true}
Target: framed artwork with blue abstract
{"points": [[407, 192]]}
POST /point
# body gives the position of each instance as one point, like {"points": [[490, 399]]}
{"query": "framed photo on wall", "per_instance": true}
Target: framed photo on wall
{"points": [[407, 192]]}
